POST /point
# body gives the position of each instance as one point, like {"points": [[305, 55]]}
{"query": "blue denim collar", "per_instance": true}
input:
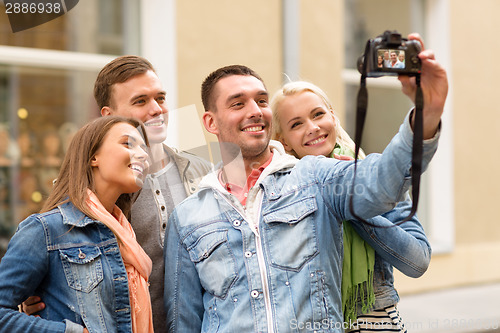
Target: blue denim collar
{"points": [[73, 216]]}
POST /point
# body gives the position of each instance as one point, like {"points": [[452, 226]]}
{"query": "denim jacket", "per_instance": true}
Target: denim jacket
{"points": [[74, 264], [275, 265], [404, 246]]}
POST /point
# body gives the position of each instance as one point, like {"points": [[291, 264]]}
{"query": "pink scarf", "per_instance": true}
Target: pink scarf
{"points": [[137, 263]]}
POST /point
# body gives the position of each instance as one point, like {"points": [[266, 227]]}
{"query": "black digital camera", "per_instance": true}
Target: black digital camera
{"points": [[389, 54]]}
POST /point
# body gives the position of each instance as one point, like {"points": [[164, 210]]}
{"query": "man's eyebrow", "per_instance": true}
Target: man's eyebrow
{"points": [[263, 93], [234, 96], [134, 97], [238, 95]]}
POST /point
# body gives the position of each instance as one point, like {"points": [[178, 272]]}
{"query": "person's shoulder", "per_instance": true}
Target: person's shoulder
{"points": [[65, 215], [316, 165], [305, 165], [195, 160], [52, 218], [312, 159], [37, 221], [196, 206], [41, 216]]}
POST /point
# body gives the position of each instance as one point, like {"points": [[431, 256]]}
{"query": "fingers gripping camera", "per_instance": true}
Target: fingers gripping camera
{"points": [[389, 54]]}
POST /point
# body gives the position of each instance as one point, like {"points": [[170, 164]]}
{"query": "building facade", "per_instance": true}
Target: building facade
{"points": [[47, 74]]}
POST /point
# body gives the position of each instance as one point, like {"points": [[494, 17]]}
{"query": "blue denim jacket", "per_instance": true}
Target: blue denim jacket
{"points": [[74, 264], [405, 247], [275, 265]]}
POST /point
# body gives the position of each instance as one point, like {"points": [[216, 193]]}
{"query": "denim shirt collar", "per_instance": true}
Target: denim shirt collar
{"points": [[281, 161], [73, 216]]}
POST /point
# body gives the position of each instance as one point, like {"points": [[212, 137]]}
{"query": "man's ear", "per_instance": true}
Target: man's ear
{"points": [[106, 111], [209, 122]]}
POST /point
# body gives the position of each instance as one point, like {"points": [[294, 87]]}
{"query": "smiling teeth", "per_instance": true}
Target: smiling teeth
{"points": [[155, 123], [253, 129], [137, 168], [316, 141]]}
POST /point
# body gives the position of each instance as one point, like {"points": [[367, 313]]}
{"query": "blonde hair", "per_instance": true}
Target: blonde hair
{"points": [[297, 87]]}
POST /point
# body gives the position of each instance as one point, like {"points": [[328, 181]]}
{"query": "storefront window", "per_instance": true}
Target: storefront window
{"points": [[41, 107], [92, 26], [41, 110]]}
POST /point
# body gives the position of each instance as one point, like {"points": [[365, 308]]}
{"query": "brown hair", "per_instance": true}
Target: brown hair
{"points": [[118, 70], [75, 175], [207, 87]]}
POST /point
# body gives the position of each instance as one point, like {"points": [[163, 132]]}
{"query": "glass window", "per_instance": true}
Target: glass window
{"points": [[40, 110], [387, 105], [92, 26], [367, 19], [42, 107]]}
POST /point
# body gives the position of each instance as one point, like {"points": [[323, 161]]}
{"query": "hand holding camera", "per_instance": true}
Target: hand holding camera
{"points": [[423, 80], [389, 54], [434, 84]]}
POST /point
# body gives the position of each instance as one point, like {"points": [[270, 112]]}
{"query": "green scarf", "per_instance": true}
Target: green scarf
{"points": [[357, 267]]}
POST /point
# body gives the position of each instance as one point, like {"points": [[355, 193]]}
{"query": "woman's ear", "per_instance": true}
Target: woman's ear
{"points": [[280, 138], [335, 122], [94, 162], [287, 147], [210, 123]]}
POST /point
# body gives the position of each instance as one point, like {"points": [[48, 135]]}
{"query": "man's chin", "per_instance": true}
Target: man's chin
{"points": [[156, 136], [256, 150]]}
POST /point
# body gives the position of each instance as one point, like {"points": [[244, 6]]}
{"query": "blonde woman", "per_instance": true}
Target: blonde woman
{"points": [[79, 253], [305, 123]]}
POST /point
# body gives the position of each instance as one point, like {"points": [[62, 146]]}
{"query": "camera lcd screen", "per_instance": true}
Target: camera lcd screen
{"points": [[391, 59]]}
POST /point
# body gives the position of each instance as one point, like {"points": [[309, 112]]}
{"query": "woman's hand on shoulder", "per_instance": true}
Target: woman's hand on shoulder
{"points": [[343, 157]]}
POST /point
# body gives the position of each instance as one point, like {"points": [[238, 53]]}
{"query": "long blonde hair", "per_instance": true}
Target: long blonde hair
{"points": [[297, 87], [75, 175]]}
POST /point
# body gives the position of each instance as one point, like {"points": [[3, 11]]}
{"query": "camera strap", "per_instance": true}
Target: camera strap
{"points": [[417, 148]]}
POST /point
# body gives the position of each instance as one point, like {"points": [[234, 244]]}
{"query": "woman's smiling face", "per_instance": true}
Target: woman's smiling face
{"points": [[120, 164], [308, 126]]}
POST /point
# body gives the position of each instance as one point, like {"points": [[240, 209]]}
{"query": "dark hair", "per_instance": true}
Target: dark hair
{"points": [[118, 70], [75, 175], [207, 87]]}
